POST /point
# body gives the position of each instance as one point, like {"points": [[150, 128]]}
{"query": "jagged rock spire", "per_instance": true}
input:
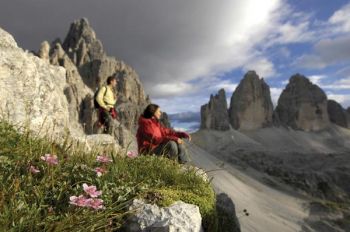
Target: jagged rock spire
{"points": [[251, 105], [303, 105], [214, 115]]}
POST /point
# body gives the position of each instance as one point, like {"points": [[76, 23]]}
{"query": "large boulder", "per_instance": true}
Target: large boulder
{"points": [[303, 105], [228, 220], [214, 115], [179, 216], [251, 105], [337, 114], [32, 90]]}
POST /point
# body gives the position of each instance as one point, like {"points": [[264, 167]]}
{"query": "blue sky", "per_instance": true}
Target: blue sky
{"points": [[310, 37], [185, 50]]}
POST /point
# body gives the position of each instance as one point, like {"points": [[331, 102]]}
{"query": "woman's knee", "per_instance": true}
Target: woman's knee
{"points": [[173, 149], [173, 145]]}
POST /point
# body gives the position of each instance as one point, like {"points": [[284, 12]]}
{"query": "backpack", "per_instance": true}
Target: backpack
{"points": [[96, 105]]}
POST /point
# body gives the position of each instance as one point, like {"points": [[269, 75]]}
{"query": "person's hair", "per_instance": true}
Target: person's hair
{"points": [[150, 110], [110, 79]]}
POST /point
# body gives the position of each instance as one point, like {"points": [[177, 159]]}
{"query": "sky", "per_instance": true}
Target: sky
{"points": [[185, 50]]}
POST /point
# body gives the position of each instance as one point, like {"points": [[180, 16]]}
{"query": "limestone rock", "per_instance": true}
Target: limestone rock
{"points": [[303, 105], [32, 90], [79, 96], [87, 68], [214, 115], [44, 51], [251, 105], [101, 142], [94, 66], [81, 43], [7, 41], [337, 114], [180, 217]]}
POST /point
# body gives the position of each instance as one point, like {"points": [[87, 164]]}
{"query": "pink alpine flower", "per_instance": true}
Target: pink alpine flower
{"points": [[132, 154], [78, 201], [100, 171], [95, 203], [33, 170], [103, 159], [50, 159], [91, 190]]}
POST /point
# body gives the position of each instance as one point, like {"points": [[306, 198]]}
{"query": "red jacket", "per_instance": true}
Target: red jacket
{"points": [[151, 133]]}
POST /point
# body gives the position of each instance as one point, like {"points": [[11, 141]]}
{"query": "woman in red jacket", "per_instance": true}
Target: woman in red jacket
{"points": [[152, 137]]}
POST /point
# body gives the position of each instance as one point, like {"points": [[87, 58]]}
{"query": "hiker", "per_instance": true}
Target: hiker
{"points": [[106, 98], [152, 137]]}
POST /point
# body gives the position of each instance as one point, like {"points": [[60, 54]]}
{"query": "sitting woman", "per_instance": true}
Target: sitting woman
{"points": [[152, 137]]}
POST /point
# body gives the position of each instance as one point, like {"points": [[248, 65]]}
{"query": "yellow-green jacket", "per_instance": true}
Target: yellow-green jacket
{"points": [[106, 98]]}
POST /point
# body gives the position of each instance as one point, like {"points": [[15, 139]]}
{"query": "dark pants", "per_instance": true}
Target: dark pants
{"points": [[107, 121], [173, 150]]}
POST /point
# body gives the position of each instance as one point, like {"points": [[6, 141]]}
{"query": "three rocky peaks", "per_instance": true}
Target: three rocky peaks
{"points": [[301, 106]]}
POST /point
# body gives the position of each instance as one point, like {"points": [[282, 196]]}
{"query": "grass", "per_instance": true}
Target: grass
{"points": [[40, 201]]}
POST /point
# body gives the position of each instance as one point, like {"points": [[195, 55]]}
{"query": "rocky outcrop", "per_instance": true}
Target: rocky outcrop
{"points": [[79, 96], [337, 114], [303, 105], [251, 106], [87, 68], [94, 67], [177, 217], [44, 51], [214, 115], [227, 218], [32, 90]]}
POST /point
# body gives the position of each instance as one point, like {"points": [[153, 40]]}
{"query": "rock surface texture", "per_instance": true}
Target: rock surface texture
{"points": [[87, 68], [214, 115], [337, 114], [303, 105], [31, 89], [251, 106], [180, 217]]}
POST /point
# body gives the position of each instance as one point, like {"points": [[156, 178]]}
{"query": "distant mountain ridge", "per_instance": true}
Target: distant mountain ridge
{"points": [[302, 105]]}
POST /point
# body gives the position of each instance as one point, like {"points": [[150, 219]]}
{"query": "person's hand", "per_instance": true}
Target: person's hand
{"points": [[179, 141], [189, 138]]}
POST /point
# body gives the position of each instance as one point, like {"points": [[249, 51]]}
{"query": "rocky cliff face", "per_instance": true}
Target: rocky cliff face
{"points": [[251, 106], [214, 115], [79, 96], [88, 67], [303, 105], [337, 114], [32, 90], [94, 66]]}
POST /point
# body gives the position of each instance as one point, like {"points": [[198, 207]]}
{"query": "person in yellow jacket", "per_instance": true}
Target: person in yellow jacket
{"points": [[106, 99]]}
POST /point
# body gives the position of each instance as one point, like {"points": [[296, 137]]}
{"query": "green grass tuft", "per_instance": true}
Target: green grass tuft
{"points": [[40, 202]]}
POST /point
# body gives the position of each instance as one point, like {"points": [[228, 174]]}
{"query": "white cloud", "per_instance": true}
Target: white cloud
{"points": [[284, 52], [316, 79], [227, 85], [275, 94], [263, 67], [343, 99], [327, 52], [341, 20], [341, 84], [332, 41], [172, 89]]}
